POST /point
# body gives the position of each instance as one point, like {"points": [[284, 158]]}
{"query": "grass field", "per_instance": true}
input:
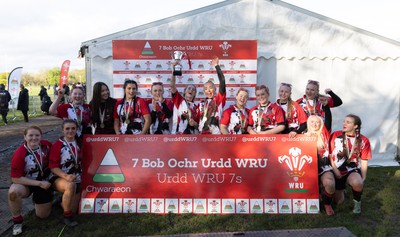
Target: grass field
{"points": [[380, 217]]}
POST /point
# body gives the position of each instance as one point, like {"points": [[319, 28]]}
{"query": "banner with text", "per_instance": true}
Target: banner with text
{"points": [[148, 61], [205, 174], [64, 73], [14, 82]]}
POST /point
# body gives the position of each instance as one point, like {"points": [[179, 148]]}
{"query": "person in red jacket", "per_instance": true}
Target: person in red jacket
{"points": [[76, 110], [161, 110], [315, 103], [266, 117], [210, 110], [235, 118], [350, 151], [131, 113], [296, 118], [184, 116], [65, 165], [29, 175]]}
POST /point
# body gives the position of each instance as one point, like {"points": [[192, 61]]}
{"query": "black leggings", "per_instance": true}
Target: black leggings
{"points": [[25, 113], [4, 116]]}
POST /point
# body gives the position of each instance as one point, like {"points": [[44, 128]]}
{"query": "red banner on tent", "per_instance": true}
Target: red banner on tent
{"points": [[196, 49], [149, 61], [199, 174], [64, 73]]}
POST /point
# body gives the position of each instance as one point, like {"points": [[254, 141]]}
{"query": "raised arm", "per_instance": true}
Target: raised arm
{"points": [[336, 101], [173, 79], [221, 77], [56, 102]]}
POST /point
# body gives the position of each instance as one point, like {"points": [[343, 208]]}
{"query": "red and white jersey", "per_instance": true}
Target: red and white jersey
{"points": [[267, 117], [66, 156], [130, 112], [183, 111], [210, 112], [32, 164], [314, 107], [235, 119], [294, 116], [345, 155], [81, 114], [160, 116]]}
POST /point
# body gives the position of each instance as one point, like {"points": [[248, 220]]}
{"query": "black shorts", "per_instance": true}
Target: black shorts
{"points": [[340, 184], [320, 174], [40, 195]]}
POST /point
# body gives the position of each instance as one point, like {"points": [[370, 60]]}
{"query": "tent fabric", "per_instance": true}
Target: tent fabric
{"points": [[294, 45]]}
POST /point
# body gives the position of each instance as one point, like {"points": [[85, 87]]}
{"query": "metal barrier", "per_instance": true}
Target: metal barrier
{"points": [[34, 108], [33, 102], [13, 106]]}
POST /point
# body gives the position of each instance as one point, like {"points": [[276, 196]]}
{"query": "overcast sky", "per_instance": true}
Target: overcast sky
{"points": [[41, 34]]}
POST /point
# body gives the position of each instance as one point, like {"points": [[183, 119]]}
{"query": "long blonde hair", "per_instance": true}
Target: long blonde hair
{"points": [[289, 101], [318, 133]]}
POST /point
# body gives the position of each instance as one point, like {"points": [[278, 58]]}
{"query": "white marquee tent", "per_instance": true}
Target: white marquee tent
{"points": [[294, 45]]}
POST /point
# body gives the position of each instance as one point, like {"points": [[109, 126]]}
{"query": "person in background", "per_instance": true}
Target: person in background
{"points": [[66, 93], [315, 103], [55, 91], [266, 117], [29, 175], [102, 107], [65, 165], [184, 116], [235, 118], [316, 128], [5, 98], [23, 102], [296, 118], [210, 110], [350, 152], [75, 110], [84, 88], [42, 93], [161, 110], [131, 113], [46, 103]]}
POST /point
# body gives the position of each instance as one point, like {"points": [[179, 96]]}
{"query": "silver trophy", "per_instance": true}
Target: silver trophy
{"points": [[177, 56]]}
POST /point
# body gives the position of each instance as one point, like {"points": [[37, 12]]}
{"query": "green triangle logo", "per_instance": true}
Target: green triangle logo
{"points": [[256, 207], [87, 206], [171, 206], [147, 49], [115, 206], [228, 206], [199, 206], [109, 170], [143, 206]]}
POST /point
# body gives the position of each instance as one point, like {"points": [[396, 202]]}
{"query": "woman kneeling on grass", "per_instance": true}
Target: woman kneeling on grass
{"points": [[350, 152], [29, 175], [65, 163]]}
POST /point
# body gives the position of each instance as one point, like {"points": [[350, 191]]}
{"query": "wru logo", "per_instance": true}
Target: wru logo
{"points": [[295, 162]]}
